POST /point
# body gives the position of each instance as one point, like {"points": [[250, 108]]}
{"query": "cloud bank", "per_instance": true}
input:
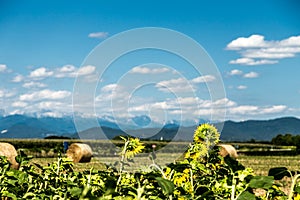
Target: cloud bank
{"points": [[255, 50]]}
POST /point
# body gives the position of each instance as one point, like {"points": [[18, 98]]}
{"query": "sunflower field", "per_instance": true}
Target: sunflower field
{"points": [[200, 174]]}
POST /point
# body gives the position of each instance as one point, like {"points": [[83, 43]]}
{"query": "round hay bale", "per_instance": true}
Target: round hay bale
{"points": [[10, 152], [79, 152], [227, 149]]}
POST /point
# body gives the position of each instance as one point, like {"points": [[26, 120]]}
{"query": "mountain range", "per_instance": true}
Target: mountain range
{"points": [[22, 126]]}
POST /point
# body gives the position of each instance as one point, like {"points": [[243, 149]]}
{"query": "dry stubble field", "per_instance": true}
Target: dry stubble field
{"points": [[260, 164]]}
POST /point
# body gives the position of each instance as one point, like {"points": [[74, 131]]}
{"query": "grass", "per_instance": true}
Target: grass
{"points": [[98, 163], [77, 166], [260, 164], [104, 152]]}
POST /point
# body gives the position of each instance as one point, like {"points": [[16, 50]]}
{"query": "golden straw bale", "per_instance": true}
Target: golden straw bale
{"points": [[227, 149], [79, 152], [10, 152]]}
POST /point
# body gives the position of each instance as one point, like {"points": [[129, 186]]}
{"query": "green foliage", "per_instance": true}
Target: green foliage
{"points": [[201, 174], [287, 139], [279, 172]]}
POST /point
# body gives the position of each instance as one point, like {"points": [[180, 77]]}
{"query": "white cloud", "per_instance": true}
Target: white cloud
{"points": [[204, 79], [2, 93], [3, 68], [41, 72], [251, 75], [52, 114], [86, 70], [291, 41], [45, 94], [67, 68], [19, 104], [33, 84], [170, 83], [250, 61], [255, 50], [235, 72], [274, 109], [250, 111], [219, 103], [16, 112], [65, 71], [182, 84], [254, 41], [49, 105], [109, 87], [164, 105], [91, 78], [241, 87], [6, 93], [139, 108], [188, 100], [18, 78], [146, 70], [100, 35], [191, 108], [175, 86], [112, 92], [244, 109], [71, 71], [277, 53]]}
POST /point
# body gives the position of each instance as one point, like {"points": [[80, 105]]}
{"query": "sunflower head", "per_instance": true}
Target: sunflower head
{"points": [[207, 134], [205, 137], [133, 146]]}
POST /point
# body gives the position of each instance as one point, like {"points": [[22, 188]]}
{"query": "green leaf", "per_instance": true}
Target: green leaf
{"points": [[10, 173], [179, 166], [76, 191], [246, 196], [279, 172], [233, 164], [166, 185], [264, 182], [297, 189], [38, 165], [85, 191], [11, 182], [8, 194], [29, 194], [22, 178]]}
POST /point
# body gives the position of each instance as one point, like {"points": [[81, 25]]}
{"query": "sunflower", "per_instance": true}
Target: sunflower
{"points": [[133, 147], [207, 134]]}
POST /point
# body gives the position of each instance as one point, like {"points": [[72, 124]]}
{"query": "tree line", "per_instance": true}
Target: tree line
{"points": [[287, 139]]}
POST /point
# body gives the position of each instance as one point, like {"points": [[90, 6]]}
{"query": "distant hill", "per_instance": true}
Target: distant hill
{"points": [[100, 133], [21, 126], [261, 130]]}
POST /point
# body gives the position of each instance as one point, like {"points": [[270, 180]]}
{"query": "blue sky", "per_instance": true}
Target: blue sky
{"points": [[254, 44]]}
